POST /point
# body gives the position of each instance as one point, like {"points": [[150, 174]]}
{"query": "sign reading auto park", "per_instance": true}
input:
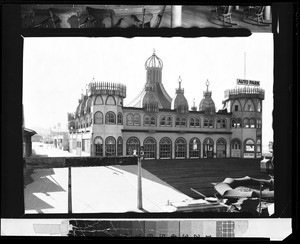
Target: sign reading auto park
{"points": [[248, 82]]}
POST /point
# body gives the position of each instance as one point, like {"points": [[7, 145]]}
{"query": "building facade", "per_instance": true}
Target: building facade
{"points": [[166, 128]]}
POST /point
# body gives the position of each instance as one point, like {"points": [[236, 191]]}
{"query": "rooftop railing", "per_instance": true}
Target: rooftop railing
{"points": [[107, 88], [244, 92]]}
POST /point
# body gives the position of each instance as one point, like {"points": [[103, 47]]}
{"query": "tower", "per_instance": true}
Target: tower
{"points": [[106, 102], [154, 95], [180, 103], [245, 104], [207, 105]]}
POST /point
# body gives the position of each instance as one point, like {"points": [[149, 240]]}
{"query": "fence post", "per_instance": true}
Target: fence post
{"points": [[69, 190], [139, 200]]}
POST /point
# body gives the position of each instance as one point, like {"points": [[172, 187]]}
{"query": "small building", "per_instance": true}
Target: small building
{"points": [[27, 144], [60, 140]]}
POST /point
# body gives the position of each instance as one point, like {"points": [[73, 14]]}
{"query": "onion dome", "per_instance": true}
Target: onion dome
{"points": [[153, 62], [150, 101], [207, 104], [180, 103]]}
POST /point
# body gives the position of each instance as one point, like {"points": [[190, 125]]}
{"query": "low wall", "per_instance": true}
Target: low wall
{"points": [[61, 162]]}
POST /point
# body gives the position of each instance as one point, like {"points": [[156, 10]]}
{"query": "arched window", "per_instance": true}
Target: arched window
{"points": [[98, 142], [120, 118], [88, 105], [208, 148], [147, 120], [194, 148], [258, 107], [110, 146], [238, 123], [249, 106], [98, 118], [120, 101], [205, 123], [246, 123], [165, 148], [252, 123], [153, 120], [258, 123], [249, 146], [258, 145], [218, 123], [137, 119], [183, 122], [211, 123], [132, 144], [129, 119], [236, 106], [197, 122], [233, 123], [150, 148], [163, 120], [72, 125], [224, 124], [110, 100], [180, 148], [221, 148], [98, 100], [177, 121], [120, 146], [110, 118], [169, 121], [192, 122]]}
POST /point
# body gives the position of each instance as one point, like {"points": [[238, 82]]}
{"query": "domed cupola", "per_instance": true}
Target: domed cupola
{"points": [[153, 66], [207, 105], [153, 62], [180, 103]]}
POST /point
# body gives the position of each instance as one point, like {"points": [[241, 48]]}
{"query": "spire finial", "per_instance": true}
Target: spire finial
{"points": [[153, 50], [207, 84], [179, 81], [194, 102]]}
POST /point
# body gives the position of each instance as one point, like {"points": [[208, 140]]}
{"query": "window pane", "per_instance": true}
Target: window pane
{"points": [[98, 118]]}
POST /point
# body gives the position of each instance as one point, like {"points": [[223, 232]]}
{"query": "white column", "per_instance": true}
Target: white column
{"points": [[267, 13], [176, 16]]}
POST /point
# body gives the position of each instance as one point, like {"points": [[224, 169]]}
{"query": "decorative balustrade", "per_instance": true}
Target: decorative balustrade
{"points": [[107, 88], [244, 93]]}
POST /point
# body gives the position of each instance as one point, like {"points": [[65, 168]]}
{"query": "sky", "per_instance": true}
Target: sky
{"points": [[57, 69]]}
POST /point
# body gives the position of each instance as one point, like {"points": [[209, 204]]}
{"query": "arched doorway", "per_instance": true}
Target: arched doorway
{"points": [[132, 143], [221, 148], [194, 148], [208, 148], [180, 148], [236, 148], [150, 148], [98, 142], [110, 146], [165, 148]]}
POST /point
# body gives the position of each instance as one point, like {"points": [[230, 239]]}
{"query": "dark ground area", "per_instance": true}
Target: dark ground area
{"points": [[199, 174]]}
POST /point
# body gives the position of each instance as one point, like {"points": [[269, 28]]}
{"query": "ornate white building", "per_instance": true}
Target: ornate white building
{"points": [[166, 127]]}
